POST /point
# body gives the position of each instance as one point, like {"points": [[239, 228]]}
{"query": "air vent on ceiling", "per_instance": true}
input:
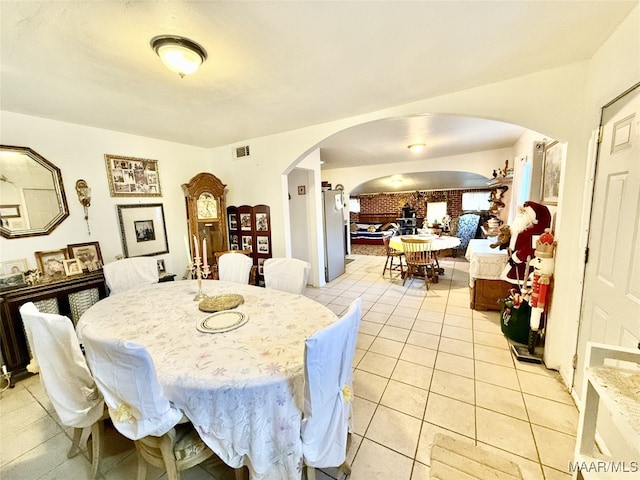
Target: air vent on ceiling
{"points": [[242, 152]]}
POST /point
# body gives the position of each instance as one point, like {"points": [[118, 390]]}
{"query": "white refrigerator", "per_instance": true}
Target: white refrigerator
{"points": [[334, 232]]}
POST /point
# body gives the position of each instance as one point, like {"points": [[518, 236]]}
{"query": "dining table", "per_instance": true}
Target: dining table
{"points": [[242, 387], [438, 243]]}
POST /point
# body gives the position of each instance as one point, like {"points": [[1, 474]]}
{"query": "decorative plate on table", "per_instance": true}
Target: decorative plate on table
{"points": [[220, 322], [218, 303]]}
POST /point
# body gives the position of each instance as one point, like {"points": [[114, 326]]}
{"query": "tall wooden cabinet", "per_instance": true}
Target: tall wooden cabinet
{"points": [[205, 202], [250, 229]]}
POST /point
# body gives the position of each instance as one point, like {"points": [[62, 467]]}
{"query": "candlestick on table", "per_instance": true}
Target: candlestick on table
{"points": [[204, 253], [195, 244]]}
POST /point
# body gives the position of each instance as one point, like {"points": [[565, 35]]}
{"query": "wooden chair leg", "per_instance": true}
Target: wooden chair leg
{"points": [[311, 473], [241, 473], [142, 467], [97, 443], [75, 443]]}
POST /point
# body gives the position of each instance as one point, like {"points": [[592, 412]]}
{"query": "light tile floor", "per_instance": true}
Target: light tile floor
{"points": [[425, 363]]}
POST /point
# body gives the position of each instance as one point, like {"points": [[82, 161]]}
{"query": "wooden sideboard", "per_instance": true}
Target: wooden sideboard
{"points": [[12, 336]]}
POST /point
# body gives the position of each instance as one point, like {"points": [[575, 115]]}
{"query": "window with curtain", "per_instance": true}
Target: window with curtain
{"points": [[475, 201]]}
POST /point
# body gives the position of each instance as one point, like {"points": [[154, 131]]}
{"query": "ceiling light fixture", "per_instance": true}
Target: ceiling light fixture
{"points": [[180, 55], [416, 147]]}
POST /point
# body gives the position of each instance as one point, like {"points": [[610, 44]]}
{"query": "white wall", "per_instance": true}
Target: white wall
{"points": [[299, 223], [79, 153]]}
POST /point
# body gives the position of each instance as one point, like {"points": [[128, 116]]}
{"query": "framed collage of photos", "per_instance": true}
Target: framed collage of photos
{"points": [[132, 177], [250, 229]]}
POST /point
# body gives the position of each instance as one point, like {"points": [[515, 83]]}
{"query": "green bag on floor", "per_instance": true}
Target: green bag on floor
{"points": [[515, 321]]}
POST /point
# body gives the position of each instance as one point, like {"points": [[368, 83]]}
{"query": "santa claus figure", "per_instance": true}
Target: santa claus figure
{"points": [[531, 222]]}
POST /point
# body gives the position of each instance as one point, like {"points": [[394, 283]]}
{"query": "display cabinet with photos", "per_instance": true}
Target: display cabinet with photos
{"points": [[205, 202], [250, 229]]}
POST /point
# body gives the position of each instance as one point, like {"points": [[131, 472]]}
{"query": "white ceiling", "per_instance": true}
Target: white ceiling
{"points": [[279, 66]]}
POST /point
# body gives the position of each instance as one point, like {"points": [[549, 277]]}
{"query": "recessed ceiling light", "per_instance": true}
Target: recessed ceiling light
{"points": [[416, 147], [179, 54]]}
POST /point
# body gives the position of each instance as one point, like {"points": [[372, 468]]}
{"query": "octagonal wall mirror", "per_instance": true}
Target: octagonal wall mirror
{"points": [[32, 199]]}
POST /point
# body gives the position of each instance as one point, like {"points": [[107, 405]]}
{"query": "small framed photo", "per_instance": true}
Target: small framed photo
{"points": [[245, 221], [233, 221], [88, 254], [261, 266], [302, 190], [51, 262], [132, 177], [13, 280], [262, 244], [247, 243], [11, 267], [161, 267], [262, 223], [143, 230], [551, 173], [72, 266]]}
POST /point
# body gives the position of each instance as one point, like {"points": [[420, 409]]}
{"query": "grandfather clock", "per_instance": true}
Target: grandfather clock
{"points": [[206, 213]]}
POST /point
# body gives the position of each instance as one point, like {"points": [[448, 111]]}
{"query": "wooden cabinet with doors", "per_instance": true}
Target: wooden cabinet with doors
{"points": [[250, 229], [204, 196]]}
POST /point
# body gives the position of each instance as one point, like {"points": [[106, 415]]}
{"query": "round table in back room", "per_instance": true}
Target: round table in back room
{"points": [[438, 243], [242, 389]]}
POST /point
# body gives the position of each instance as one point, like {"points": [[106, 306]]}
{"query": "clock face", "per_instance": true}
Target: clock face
{"points": [[207, 206]]}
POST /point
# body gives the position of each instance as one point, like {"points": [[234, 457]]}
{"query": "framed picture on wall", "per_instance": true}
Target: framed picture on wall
{"points": [[551, 173], [132, 177], [143, 230]]}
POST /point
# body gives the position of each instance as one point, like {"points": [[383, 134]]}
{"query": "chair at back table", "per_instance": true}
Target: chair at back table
{"points": [[420, 260], [328, 395], [65, 377], [126, 376], [234, 267], [286, 274], [128, 273], [467, 228], [391, 254]]}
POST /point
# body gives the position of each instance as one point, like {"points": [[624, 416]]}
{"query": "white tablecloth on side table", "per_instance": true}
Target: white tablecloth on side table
{"points": [[243, 389], [485, 263]]}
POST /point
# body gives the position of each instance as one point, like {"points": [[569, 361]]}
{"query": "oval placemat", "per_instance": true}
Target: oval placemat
{"points": [[219, 303], [221, 322]]}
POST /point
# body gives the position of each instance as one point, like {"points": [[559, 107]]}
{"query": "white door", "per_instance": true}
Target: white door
{"points": [[611, 297]]}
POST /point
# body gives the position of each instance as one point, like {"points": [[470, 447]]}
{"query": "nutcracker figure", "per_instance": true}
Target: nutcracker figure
{"points": [[543, 265]]}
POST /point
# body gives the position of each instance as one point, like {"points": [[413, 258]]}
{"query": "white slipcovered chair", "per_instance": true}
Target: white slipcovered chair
{"points": [[328, 395], [128, 273], [66, 378], [234, 267], [126, 376], [286, 274]]}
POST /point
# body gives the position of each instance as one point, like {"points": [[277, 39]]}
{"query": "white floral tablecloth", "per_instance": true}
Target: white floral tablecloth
{"points": [[243, 389]]}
